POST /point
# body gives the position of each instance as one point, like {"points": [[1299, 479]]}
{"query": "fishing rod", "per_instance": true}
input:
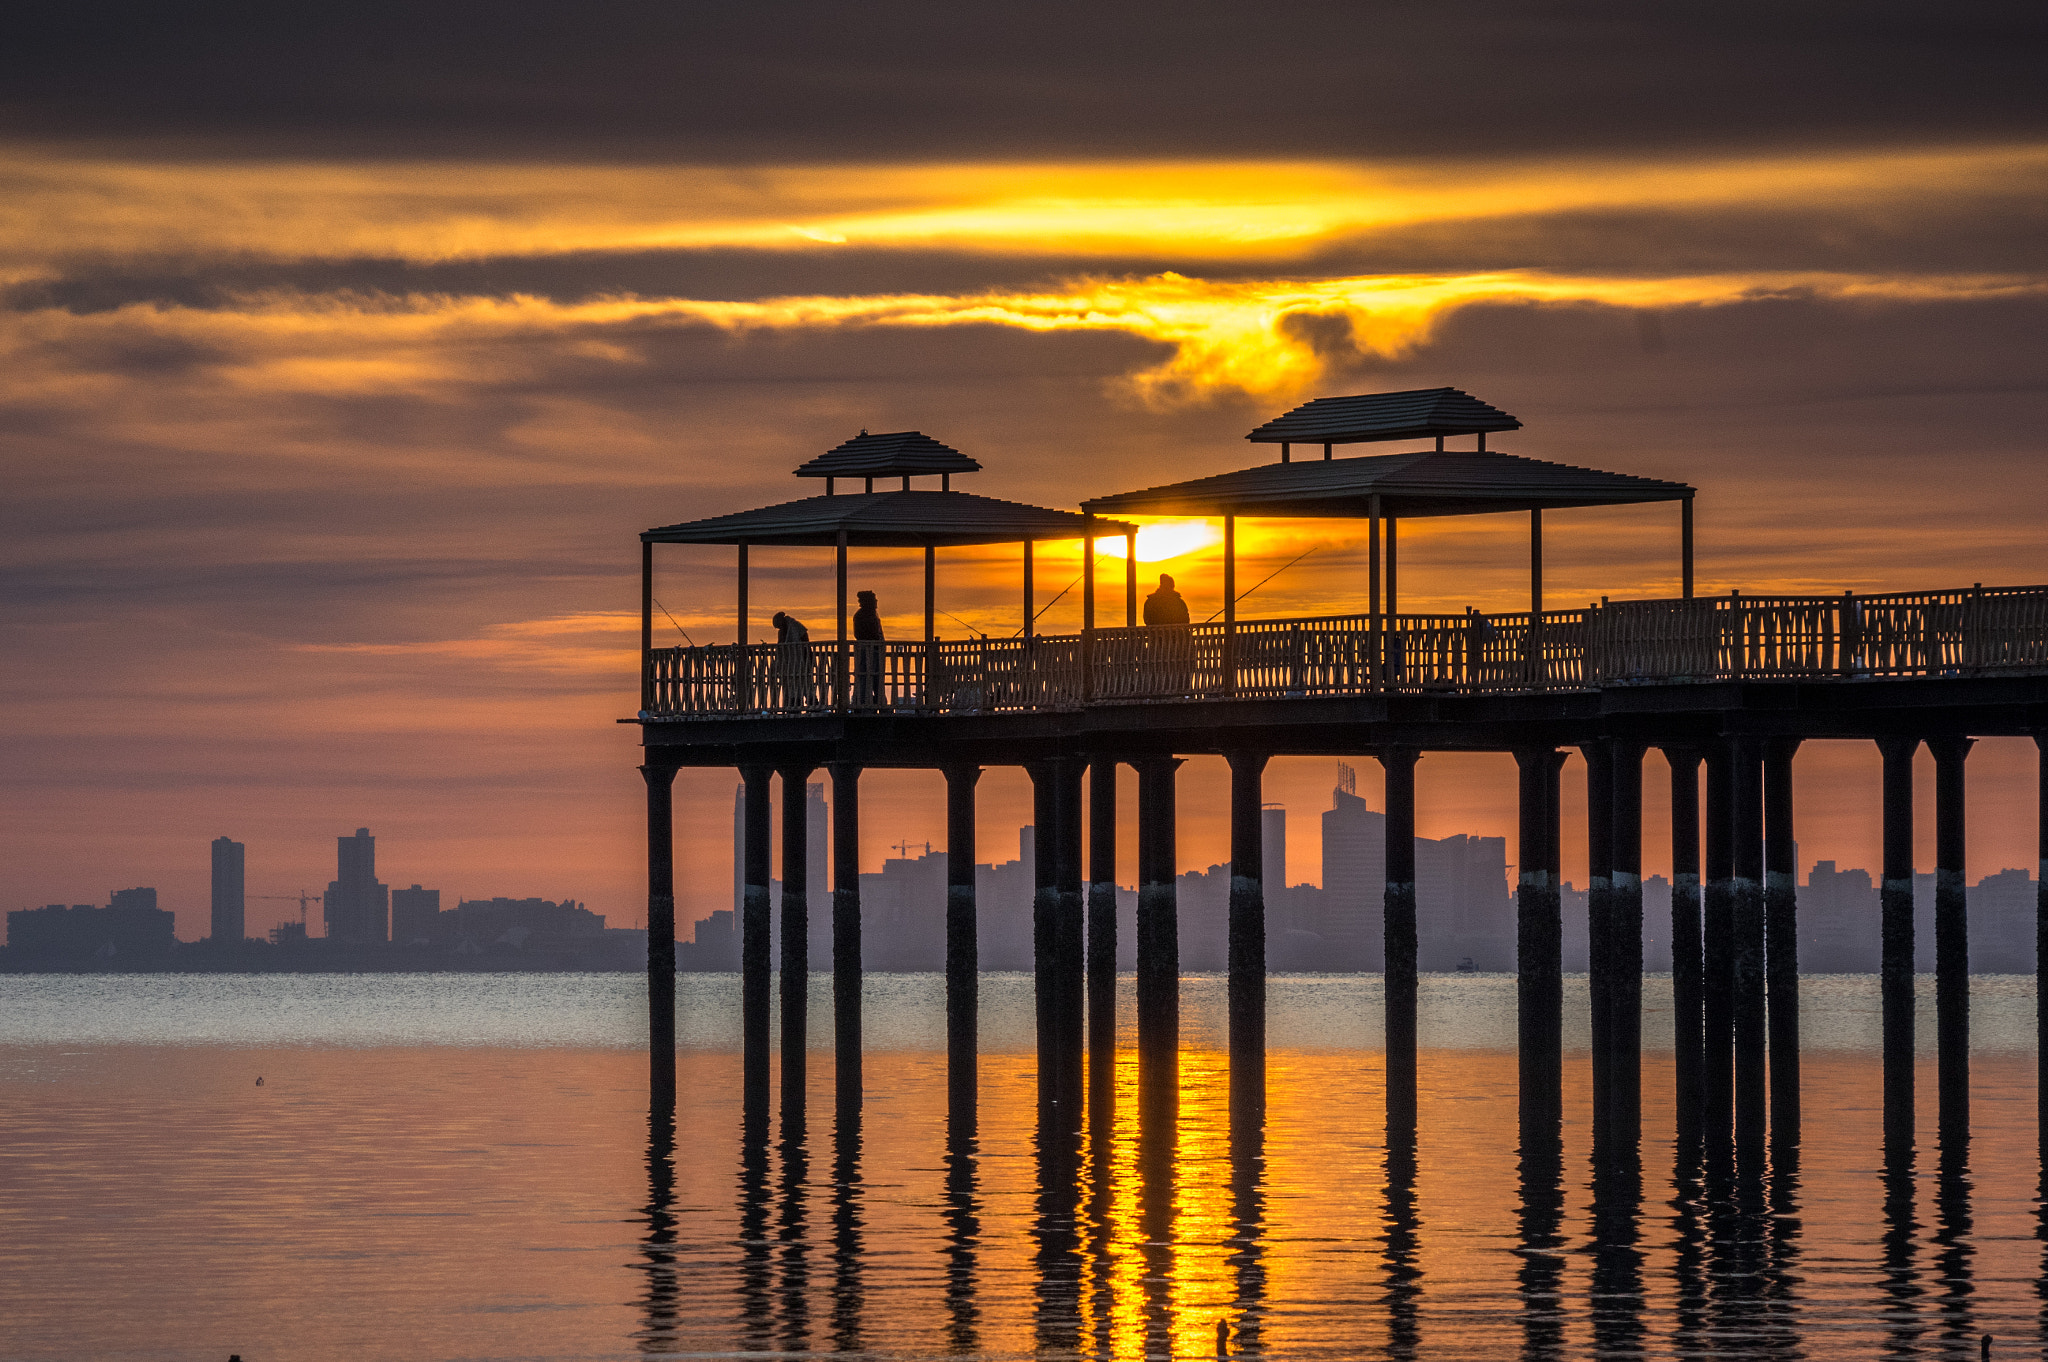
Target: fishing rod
{"points": [[1267, 578], [1051, 603], [672, 620]]}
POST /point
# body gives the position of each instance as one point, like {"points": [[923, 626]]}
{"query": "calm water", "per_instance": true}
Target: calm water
{"points": [[458, 1166]]}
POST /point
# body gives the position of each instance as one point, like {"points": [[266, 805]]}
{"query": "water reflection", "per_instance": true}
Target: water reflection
{"points": [[848, 1242], [661, 1298], [1402, 1242], [1247, 1260], [963, 1238]]}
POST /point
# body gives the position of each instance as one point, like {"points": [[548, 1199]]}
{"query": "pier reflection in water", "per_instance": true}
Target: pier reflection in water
{"points": [[503, 1200], [1314, 1228]]}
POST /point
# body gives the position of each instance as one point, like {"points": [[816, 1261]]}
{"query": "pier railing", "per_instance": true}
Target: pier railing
{"points": [[1974, 631]]}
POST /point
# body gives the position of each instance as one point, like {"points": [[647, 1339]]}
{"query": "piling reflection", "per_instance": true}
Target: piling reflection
{"points": [[1954, 1250], [1689, 1244], [1056, 1228], [848, 1235], [1247, 1259], [792, 1230], [661, 1296], [1900, 1283], [756, 1251], [1402, 1242], [1540, 1278], [1617, 1275], [1158, 1137], [963, 1239]]}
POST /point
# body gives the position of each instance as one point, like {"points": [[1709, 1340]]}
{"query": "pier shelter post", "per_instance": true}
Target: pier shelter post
{"points": [[1601, 961], [1687, 963], [1751, 1080], [963, 950], [1101, 921], [1781, 935], [796, 933], [1625, 914], [1951, 937], [1400, 937], [1717, 946], [1247, 931], [661, 933], [756, 929], [1158, 925], [1896, 915], [846, 947], [1539, 932]]}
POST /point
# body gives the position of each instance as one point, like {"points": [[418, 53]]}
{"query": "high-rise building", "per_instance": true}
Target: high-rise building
{"points": [[356, 906], [415, 915], [229, 903], [1273, 846]]}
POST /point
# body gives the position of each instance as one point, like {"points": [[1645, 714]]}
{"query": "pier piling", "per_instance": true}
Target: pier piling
{"points": [[1247, 933], [846, 966], [1895, 906], [1687, 963], [1781, 937], [1101, 925], [1158, 926], [796, 936], [1400, 941], [756, 929], [1951, 937], [963, 963], [1751, 1057], [661, 933], [1717, 936]]}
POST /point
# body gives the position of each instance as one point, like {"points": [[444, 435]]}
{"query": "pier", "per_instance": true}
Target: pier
{"points": [[1727, 687]]}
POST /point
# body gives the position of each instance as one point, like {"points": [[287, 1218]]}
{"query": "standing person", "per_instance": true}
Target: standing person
{"points": [[793, 660], [1165, 607], [1172, 646], [867, 652]]}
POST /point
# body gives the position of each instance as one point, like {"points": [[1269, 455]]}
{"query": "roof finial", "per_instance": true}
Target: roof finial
{"points": [[863, 430]]}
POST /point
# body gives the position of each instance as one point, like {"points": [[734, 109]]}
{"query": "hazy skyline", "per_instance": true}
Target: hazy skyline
{"points": [[347, 354]]}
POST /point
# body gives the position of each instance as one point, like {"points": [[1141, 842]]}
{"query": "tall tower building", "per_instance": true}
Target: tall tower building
{"points": [[1273, 846], [357, 906], [229, 891]]}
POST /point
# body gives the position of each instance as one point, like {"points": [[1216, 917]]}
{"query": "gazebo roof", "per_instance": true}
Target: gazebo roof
{"points": [[1410, 415], [1425, 483], [895, 519], [910, 453]]}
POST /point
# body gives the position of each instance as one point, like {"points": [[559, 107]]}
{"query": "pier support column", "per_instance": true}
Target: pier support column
{"points": [[1400, 939], [1539, 951], [661, 934], [756, 931], [1158, 926], [1070, 933], [1751, 1078], [2041, 950], [1247, 933], [796, 934], [1687, 962], [1896, 916], [846, 966], [1625, 918], [1951, 938], [1717, 931], [1781, 936], [1045, 912], [1101, 924], [1601, 955], [963, 952]]}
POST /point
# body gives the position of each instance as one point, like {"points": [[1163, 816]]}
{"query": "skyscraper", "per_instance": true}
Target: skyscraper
{"points": [[357, 907], [1273, 846], [228, 891]]}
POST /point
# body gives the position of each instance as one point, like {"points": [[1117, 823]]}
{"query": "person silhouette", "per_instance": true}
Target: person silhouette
{"points": [[867, 652], [1171, 650], [792, 661], [1164, 607]]}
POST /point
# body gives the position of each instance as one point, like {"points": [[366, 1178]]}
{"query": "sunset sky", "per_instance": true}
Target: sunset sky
{"points": [[343, 353]]}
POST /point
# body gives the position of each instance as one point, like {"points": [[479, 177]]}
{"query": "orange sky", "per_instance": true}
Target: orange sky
{"points": [[327, 448]]}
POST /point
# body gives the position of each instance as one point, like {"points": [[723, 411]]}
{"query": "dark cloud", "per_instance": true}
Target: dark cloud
{"points": [[822, 79]]}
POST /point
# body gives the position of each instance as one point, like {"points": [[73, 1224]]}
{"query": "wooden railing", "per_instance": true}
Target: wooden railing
{"points": [[1662, 642]]}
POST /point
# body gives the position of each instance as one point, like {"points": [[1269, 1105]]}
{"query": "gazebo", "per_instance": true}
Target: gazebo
{"points": [[901, 517], [1389, 487]]}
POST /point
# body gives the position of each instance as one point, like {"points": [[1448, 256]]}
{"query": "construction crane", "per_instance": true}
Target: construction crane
{"points": [[302, 896]]}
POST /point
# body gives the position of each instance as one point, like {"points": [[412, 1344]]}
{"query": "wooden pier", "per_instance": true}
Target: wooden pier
{"points": [[1732, 684]]}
